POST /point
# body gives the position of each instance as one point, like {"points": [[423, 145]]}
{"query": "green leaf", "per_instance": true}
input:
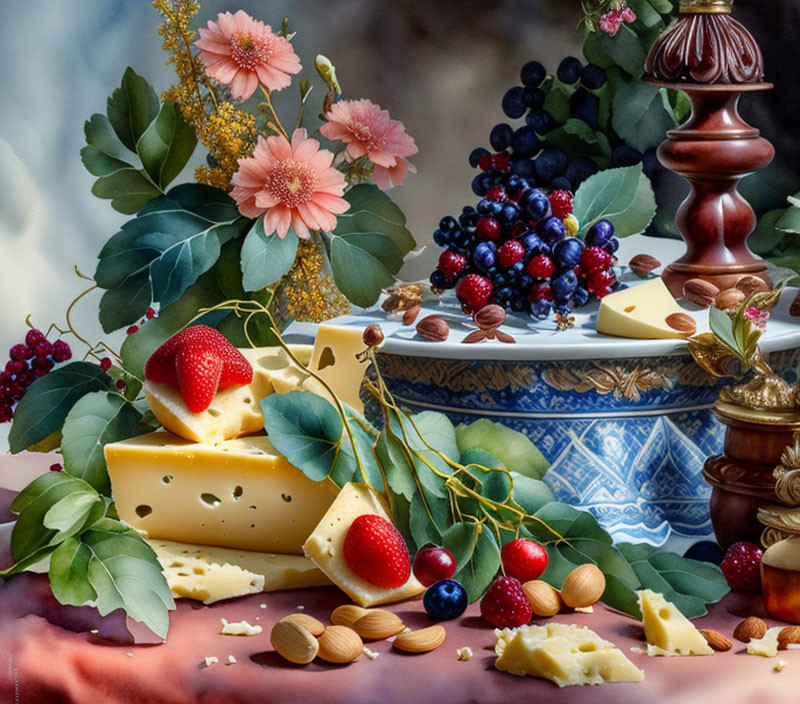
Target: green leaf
{"points": [[530, 494], [624, 196], [437, 432], [665, 7], [425, 517], [126, 303], [477, 574], [790, 220], [580, 129], [47, 401], [131, 108], [364, 442], [69, 567], [129, 189], [104, 153], [640, 117], [767, 236], [358, 268], [480, 457], [166, 145], [515, 451], [366, 223], [304, 428], [625, 49], [722, 327], [367, 196], [594, 52], [459, 539], [396, 464], [265, 259], [70, 513], [97, 419]]}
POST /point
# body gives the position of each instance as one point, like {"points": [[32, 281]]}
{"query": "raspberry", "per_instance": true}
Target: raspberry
{"points": [[374, 549], [540, 292], [132, 330], [600, 282], [593, 259], [150, 314], [505, 604], [501, 161], [41, 365], [6, 377], [497, 194], [742, 567], [510, 253], [105, 364], [541, 267], [43, 348], [14, 366], [61, 351], [34, 337], [6, 414], [121, 385], [451, 263], [19, 353], [486, 162], [474, 292], [488, 229], [57, 467], [560, 203]]}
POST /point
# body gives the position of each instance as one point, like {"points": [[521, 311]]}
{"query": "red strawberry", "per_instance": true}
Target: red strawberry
{"points": [[505, 604], [524, 559], [199, 361], [375, 551], [560, 203], [742, 566], [474, 292]]}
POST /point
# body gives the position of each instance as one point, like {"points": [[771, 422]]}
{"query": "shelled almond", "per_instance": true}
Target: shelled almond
{"points": [[700, 291], [583, 586], [643, 264], [716, 640], [293, 642], [347, 614], [313, 626], [378, 624], [340, 644], [544, 598], [682, 323], [789, 635], [422, 641], [752, 627]]}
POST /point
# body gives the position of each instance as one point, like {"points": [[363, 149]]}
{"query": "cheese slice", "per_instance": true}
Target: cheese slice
{"points": [[564, 654], [239, 493], [639, 311], [325, 547], [334, 359], [193, 578], [667, 630], [235, 410], [767, 645]]}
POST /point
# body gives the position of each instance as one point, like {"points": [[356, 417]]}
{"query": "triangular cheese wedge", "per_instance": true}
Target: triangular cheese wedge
{"points": [[667, 630]]}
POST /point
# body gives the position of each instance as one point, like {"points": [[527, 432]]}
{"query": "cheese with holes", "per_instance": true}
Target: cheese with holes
{"points": [[235, 410], [196, 571], [564, 654], [639, 311], [239, 493], [666, 630], [325, 547], [334, 359]]}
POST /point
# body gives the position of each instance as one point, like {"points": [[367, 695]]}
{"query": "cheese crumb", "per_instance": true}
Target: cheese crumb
{"points": [[231, 660], [211, 660], [584, 609], [767, 646], [371, 654], [464, 653], [781, 664], [301, 608], [242, 628], [94, 631], [130, 655], [262, 606]]}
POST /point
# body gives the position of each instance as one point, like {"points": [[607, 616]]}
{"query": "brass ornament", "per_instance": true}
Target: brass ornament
{"points": [[621, 381], [705, 7]]}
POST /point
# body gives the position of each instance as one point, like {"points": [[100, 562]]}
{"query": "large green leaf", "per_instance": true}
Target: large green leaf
{"points": [[47, 401], [625, 49], [640, 115], [478, 572], [104, 153], [166, 145], [126, 303], [266, 258], [129, 189], [97, 419], [368, 197], [132, 107], [358, 266], [514, 450], [69, 568]]}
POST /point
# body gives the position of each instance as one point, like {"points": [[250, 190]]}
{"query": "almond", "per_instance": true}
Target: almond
{"points": [[545, 599], [729, 298], [411, 315], [682, 323], [583, 586], [643, 264], [312, 625], [422, 641], [340, 644], [749, 285], [716, 640], [752, 627], [700, 292], [433, 328], [790, 634], [378, 624], [293, 642], [490, 316], [347, 614]]}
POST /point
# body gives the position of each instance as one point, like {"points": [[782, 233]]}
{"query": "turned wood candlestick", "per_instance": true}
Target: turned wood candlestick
{"points": [[714, 59]]}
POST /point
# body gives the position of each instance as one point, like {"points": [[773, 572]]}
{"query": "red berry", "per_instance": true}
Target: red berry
{"points": [[505, 604], [496, 193], [488, 229], [57, 467], [132, 330], [121, 385], [41, 365], [6, 414], [486, 162], [105, 364], [540, 292], [20, 353], [376, 552], [524, 559], [595, 258], [150, 314], [742, 566], [541, 267], [474, 292], [560, 203], [6, 378], [14, 366], [17, 390], [432, 564], [43, 349], [519, 228], [34, 337], [501, 161], [510, 253], [600, 282], [451, 263], [61, 351]]}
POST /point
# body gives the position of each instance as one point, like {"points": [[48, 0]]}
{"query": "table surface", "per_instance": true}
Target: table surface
{"points": [[52, 654]]}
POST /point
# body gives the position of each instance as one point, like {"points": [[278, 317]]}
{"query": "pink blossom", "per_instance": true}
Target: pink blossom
{"points": [[368, 130], [241, 52], [757, 317], [627, 14], [293, 184], [610, 22]]}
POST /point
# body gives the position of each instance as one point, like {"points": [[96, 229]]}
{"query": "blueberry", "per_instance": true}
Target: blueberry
{"points": [[510, 212], [504, 296], [516, 271], [705, 551], [445, 600], [564, 285], [552, 230], [500, 136], [535, 98], [525, 282], [624, 155], [560, 183], [592, 77], [618, 286], [540, 309], [650, 163], [522, 167], [448, 224], [551, 163], [500, 279], [525, 142], [534, 245], [533, 74], [515, 102], [567, 252], [485, 255], [599, 233], [580, 297], [440, 238], [541, 120], [612, 245], [468, 218], [496, 209], [580, 169], [535, 203], [475, 156], [585, 106], [569, 70], [480, 184], [518, 185], [439, 280], [519, 304]]}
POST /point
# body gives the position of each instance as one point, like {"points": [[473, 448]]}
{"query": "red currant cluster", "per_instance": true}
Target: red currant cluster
{"points": [[133, 329], [27, 362]]}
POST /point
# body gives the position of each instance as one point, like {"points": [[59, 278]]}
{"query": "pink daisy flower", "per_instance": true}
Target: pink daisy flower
{"points": [[368, 130], [294, 184], [241, 52]]}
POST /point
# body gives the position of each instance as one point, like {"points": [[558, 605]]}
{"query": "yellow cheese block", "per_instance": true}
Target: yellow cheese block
{"points": [[667, 630], [334, 359], [564, 654], [235, 410], [325, 547], [639, 311], [240, 493]]}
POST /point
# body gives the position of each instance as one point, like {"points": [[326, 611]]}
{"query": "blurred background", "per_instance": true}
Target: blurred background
{"points": [[440, 67]]}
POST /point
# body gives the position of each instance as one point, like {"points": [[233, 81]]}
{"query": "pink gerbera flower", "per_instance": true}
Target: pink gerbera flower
{"points": [[240, 51], [368, 130], [294, 184]]}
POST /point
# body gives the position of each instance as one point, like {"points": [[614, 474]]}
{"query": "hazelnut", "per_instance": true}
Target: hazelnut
{"points": [[433, 328]]}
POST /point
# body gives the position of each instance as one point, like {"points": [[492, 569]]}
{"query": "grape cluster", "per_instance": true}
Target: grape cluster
{"points": [[27, 362]]}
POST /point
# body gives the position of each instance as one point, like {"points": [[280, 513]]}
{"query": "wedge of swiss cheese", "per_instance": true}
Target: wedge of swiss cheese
{"points": [[640, 311]]}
